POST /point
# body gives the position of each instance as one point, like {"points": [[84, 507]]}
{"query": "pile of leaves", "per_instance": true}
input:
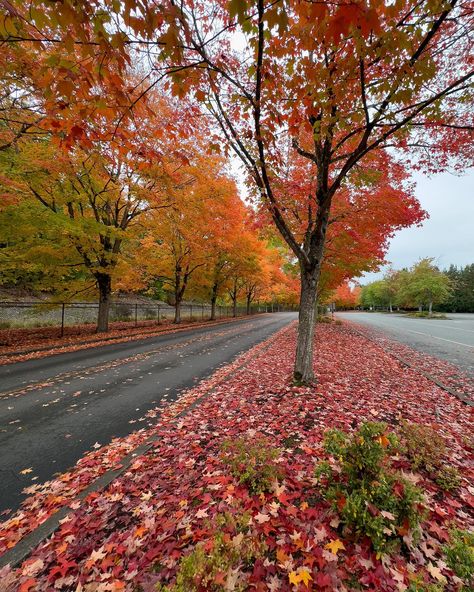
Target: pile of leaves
{"points": [[228, 498]]}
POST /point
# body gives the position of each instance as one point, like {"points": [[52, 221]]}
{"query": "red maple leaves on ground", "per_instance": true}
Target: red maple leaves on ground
{"points": [[182, 493]]}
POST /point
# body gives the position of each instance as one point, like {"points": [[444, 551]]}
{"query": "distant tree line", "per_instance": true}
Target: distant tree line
{"points": [[462, 294], [424, 287]]}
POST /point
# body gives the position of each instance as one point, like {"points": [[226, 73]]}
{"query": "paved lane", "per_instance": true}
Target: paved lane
{"points": [[451, 339], [54, 409]]}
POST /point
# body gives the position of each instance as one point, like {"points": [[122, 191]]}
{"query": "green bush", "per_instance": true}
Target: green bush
{"points": [[426, 315], [233, 546], [448, 478], [460, 556], [252, 463], [424, 446], [372, 499], [419, 586], [426, 450], [323, 319]]}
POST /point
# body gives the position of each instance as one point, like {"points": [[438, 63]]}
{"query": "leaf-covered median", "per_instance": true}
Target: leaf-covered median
{"points": [[360, 483]]}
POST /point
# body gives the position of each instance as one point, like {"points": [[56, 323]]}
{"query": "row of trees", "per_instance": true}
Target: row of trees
{"points": [[81, 221], [319, 103], [422, 286]]}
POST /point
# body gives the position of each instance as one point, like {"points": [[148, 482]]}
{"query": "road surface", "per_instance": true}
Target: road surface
{"points": [[94, 394], [450, 339]]}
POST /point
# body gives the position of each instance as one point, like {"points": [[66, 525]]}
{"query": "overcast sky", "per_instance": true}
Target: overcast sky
{"points": [[448, 234]]}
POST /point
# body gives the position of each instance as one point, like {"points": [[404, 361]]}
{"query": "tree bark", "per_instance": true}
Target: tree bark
{"points": [[390, 306], [304, 371], [178, 292], [249, 301], [213, 302], [430, 308], [310, 274], [104, 283], [177, 311], [233, 295], [420, 308]]}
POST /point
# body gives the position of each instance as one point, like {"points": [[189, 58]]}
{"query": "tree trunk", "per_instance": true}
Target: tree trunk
{"points": [[390, 306], [177, 311], [420, 308], [430, 308], [178, 294], [310, 273], [249, 301], [213, 302], [104, 282], [234, 306], [304, 371]]}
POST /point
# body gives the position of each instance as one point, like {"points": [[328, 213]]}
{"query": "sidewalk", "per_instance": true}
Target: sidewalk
{"points": [[133, 535]]}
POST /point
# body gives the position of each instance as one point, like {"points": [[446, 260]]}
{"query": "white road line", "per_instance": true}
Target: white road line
{"points": [[443, 326], [441, 338], [458, 328]]}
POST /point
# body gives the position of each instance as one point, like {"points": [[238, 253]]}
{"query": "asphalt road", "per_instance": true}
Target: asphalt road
{"points": [[450, 339], [54, 409]]}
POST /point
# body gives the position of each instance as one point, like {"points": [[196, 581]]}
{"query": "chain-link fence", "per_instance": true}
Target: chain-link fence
{"points": [[22, 314]]}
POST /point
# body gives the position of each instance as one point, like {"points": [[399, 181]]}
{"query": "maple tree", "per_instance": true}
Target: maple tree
{"points": [[249, 270], [382, 292], [423, 285], [333, 83], [186, 237], [346, 296], [34, 252], [94, 198], [363, 217], [223, 250], [357, 78], [375, 294]]}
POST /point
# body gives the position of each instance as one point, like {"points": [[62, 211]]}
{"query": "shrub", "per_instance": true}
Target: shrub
{"points": [[424, 446], [419, 586], [448, 478], [252, 463], [460, 555], [233, 546], [426, 315], [323, 319], [372, 499], [426, 450]]}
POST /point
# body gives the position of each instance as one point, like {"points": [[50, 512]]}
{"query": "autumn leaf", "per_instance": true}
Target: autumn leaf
{"points": [[294, 578], [27, 585], [302, 575], [262, 518], [335, 546]]}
